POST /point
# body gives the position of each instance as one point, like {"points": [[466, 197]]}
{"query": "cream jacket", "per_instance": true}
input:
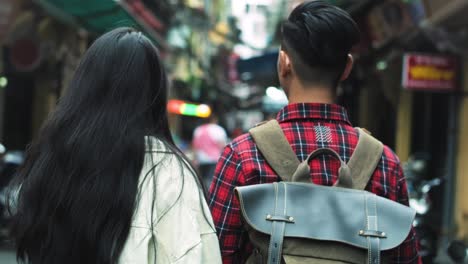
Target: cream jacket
{"points": [[177, 227]]}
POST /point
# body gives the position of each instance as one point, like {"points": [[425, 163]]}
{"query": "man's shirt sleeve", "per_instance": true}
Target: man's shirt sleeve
{"points": [[224, 205], [407, 252]]}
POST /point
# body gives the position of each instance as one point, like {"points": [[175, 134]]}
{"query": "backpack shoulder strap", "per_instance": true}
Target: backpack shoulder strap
{"points": [[274, 146], [365, 159]]}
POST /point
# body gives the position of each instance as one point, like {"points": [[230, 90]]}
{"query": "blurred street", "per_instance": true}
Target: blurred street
{"points": [[408, 86]]}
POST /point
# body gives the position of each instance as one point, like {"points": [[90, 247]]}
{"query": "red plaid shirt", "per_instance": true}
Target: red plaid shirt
{"points": [[307, 127]]}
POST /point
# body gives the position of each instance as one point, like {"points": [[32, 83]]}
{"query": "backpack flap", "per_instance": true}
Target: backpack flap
{"points": [[325, 213]]}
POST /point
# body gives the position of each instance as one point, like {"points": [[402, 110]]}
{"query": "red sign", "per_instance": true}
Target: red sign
{"points": [[8, 9], [429, 72], [25, 54]]}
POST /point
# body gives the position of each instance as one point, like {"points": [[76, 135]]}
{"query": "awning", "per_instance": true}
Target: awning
{"points": [[93, 15], [99, 16]]}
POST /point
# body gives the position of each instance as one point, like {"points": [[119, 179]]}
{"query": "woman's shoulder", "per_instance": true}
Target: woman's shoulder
{"points": [[171, 188], [154, 144], [170, 176]]}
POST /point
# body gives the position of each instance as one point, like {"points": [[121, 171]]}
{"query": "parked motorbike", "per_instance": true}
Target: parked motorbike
{"points": [[425, 227], [9, 163], [422, 194], [458, 252]]}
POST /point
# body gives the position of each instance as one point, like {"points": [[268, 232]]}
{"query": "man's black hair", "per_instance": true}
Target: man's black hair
{"points": [[318, 37]]}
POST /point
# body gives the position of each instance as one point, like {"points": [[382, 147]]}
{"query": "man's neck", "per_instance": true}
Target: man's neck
{"points": [[310, 94]]}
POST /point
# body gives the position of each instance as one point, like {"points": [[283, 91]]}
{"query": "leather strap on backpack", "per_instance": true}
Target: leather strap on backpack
{"points": [[372, 235], [279, 221]]}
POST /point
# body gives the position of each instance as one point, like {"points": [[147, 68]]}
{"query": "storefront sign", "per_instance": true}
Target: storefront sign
{"points": [[8, 8], [429, 72], [25, 54]]}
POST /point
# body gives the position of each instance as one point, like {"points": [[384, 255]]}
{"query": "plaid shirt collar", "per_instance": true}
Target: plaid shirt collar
{"points": [[313, 111]]}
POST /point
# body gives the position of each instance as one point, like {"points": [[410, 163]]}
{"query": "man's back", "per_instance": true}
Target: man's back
{"points": [[307, 127]]}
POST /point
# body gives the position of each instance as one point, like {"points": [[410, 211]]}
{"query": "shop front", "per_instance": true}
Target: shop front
{"points": [[412, 95]]}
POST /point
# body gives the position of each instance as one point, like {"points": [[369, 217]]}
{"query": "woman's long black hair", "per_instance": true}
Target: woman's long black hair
{"points": [[79, 183]]}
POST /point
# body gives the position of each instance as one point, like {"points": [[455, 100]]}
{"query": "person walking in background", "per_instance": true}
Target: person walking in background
{"points": [[314, 58], [104, 182], [208, 143]]}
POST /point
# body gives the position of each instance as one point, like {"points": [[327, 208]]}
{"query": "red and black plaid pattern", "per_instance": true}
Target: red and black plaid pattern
{"points": [[307, 127]]}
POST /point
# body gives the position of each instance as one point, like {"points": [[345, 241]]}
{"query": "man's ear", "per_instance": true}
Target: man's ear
{"points": [[284, 64], [348, 68]]}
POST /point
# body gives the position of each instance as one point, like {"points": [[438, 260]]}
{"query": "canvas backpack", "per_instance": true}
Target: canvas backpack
{"points": [[296, 221]]}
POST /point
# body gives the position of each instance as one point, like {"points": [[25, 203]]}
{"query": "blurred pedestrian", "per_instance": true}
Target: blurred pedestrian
{"points": [[104, 182], [208, 142]]}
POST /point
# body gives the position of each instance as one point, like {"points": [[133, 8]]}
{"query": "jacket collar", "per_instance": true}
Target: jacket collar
{"points": [[313, 111]]}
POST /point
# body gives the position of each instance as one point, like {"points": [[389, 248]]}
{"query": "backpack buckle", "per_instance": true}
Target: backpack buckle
{"points": [[280, 218], [372, 233]]}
